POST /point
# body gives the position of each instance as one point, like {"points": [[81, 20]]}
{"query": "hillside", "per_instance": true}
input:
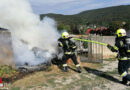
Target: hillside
{"points": [[97, 16]]}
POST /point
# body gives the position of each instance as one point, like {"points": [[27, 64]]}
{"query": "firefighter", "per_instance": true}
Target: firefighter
{"points": [[68, 45], [122, 47]]}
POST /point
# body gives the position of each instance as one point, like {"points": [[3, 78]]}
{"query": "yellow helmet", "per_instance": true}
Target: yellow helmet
{"points": [[121, 32], [65, 35]]}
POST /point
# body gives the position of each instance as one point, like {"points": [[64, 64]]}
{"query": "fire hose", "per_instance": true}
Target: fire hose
{"points": [[84, 40]]}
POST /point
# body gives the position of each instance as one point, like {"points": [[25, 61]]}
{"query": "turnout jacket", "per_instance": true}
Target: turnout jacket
{"points": [[122, 46], [68, 45]]}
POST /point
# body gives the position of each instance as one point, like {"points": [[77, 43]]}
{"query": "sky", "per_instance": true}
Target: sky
{"points": [[70, 7]]}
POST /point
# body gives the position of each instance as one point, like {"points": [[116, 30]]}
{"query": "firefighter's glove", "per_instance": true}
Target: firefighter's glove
{"points": [[60, 44], [109, 46], [74, 47], [113, 49]]}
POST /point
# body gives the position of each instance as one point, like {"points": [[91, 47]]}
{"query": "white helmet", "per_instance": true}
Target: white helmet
{"points": [[65, 35], [121, 32]]}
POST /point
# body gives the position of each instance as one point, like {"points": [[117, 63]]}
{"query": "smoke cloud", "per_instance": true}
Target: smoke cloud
{"points": [[34, 41]]}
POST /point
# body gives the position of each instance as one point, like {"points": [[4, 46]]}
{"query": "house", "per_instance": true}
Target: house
{"points": [[98, 30]]}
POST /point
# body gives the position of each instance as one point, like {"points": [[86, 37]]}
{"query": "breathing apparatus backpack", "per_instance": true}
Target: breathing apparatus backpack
{"points": [[128, 46]]}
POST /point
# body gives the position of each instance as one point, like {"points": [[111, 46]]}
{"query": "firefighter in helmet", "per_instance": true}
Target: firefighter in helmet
{"points": [[68, 45], [122, 46]]}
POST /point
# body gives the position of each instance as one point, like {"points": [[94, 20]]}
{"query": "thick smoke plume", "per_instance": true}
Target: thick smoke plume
{"points": [[34, 41]]}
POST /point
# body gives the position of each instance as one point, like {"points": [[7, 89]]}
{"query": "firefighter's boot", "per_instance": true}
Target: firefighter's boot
{"points": [[78, 68], [124, 81], [65, 69]]}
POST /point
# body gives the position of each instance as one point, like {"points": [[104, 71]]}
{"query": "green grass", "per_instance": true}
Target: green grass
{"points": [[64, 79], [110, 59], [51, 75], [6, 70], [51, 82], [43, 84], [115, 71], [85, 87], [16, 88]]}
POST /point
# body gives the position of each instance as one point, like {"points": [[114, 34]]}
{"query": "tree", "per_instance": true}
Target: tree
{"points": [[64, 27], [113, 26]]}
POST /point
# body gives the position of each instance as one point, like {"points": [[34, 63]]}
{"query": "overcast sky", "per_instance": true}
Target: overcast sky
{"points": [[69, 7]]}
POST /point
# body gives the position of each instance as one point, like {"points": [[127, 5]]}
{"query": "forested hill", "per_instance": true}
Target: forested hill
{"points": [[96, 16]]}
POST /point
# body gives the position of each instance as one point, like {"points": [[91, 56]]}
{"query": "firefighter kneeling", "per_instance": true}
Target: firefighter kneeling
{"points": [[122, 46], [69, 47]]}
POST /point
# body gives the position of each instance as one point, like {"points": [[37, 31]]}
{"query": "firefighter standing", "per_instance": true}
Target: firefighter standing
{"points": [[122, 46], [69, 47]]}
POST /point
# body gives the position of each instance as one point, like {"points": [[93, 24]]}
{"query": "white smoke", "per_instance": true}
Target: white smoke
{"points": [[28, 31]]}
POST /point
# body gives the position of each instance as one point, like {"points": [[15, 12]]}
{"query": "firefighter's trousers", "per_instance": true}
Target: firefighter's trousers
{"points": [[123, 66], [72, 56]]}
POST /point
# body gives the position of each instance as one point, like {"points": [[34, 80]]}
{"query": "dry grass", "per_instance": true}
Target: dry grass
{"points": [[54, 75], [94, 76]]}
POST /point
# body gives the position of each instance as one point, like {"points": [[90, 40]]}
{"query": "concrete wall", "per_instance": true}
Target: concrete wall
{"points": [[106, 52], [6, 51], [96, 51]]}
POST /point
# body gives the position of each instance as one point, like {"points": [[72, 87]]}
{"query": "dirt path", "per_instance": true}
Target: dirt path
{"points": [[112, 85], [93, 77]]}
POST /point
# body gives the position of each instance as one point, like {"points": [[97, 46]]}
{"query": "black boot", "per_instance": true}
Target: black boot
{"points": [[65, 69], [124, 81], [79, 69]]}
